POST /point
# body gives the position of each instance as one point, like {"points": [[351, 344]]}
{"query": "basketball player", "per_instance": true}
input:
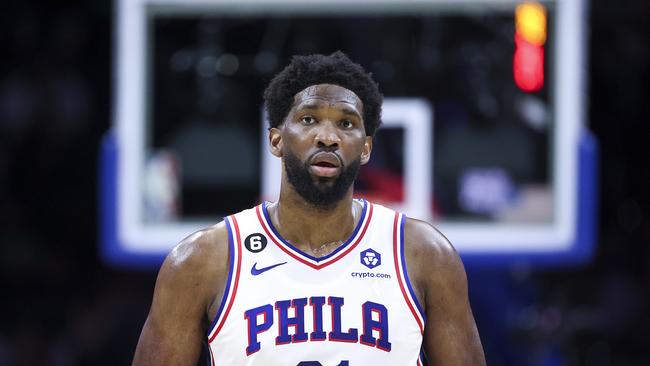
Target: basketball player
{"points": [[316, 278]]}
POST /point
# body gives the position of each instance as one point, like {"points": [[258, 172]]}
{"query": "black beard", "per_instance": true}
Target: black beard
{"points": [[321, 192]]}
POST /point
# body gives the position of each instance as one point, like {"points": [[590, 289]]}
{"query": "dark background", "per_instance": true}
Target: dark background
{"points": [[61, 306]]}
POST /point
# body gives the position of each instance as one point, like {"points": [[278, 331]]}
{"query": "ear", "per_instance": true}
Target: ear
{"points": [[275, 142], [367, 149]]}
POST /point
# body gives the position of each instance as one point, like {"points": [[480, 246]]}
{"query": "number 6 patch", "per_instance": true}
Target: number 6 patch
{"points": [[255, 243]]}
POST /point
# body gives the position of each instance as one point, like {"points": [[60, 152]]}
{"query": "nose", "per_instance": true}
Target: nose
{"points": [[327, 135]]}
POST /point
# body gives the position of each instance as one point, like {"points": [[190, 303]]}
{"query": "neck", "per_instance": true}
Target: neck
{"points": [[312, 229]]}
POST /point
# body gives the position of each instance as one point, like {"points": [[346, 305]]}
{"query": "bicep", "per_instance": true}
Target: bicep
{"points": [[174, 329], [160, 346], [450, 336]]}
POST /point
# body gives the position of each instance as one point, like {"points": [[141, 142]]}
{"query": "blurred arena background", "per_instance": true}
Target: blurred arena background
{"points": [[67, 300]]}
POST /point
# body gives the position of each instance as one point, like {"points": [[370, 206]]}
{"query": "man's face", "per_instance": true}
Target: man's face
{"points": [[322, 143]]}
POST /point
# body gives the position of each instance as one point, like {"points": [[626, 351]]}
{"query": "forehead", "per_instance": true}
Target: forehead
{"points": [[328, 94]]}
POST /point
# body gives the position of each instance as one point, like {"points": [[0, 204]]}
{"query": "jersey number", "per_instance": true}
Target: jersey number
{"points": [[256, 243], [316, 363]]}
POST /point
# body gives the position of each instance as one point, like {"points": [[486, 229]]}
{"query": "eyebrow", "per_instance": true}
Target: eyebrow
{"points": [[316, 106]]}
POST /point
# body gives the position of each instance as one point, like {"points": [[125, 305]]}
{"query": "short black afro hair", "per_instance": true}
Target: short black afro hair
{"points": [[338, 69]]}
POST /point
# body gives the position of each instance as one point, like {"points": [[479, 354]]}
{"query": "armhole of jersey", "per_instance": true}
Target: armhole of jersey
{"points": [[211, 359], [402, 273], [422, 359], [230, 290]]}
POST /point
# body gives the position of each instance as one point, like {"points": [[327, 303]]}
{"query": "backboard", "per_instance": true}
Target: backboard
{"points": [[484, 133]]}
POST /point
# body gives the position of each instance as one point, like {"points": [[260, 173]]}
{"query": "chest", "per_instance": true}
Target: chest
{"points": [[279, 299]]}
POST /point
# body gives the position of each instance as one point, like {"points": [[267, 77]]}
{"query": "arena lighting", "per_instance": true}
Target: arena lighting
{"points": [[530, 37], [530, 22], [528, 65]]}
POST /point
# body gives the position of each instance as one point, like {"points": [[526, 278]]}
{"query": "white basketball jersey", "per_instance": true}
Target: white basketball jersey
{"points": [[352, 307]]}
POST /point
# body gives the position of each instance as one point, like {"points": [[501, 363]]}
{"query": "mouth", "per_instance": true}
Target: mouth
{"points": [[325, 164]]}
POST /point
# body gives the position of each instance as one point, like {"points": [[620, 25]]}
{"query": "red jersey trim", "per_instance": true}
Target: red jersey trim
{"points": [[398, 270], [231, 300], [299, 256]]}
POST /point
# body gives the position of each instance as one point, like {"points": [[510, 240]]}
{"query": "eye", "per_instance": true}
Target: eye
{"points": [[308, 120], [346, 123]]}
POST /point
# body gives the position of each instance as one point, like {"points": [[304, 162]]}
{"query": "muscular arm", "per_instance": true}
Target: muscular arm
{"points": [[189, 282], [450, 334]]}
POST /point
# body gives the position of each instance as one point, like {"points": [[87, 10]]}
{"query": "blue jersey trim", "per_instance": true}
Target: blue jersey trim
{"points": [[405, 272], [300, 252], [231, 266]]}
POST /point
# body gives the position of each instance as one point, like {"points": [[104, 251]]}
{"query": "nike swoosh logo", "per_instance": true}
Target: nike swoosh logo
{"points": [[256, 271]]}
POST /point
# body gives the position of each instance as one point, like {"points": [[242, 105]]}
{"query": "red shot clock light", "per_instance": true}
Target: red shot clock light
{"points": [[530, 37]]}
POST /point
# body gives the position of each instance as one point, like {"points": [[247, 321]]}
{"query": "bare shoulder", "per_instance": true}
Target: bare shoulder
{"points": [[428, 247], [189, 281], [434, 266], [196, 267], [199, 249], [450, 334]]}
